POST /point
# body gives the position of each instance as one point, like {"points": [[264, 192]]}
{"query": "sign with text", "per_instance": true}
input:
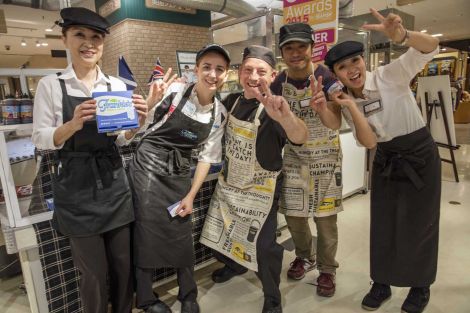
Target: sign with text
{"points": [[322, 15], [168, 6]]}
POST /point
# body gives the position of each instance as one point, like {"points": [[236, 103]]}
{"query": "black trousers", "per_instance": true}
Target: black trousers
{"points": [[101, 257], [145, 296], [269, 257]]}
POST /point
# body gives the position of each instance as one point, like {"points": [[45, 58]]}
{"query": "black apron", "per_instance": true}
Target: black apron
{"points": [[405, 205], [160, 176], [91, 190]]}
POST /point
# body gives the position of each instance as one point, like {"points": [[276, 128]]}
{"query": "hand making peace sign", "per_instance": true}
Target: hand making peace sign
{"points": [[276, 106], [318, 100], [158, 89], [391, 26]]}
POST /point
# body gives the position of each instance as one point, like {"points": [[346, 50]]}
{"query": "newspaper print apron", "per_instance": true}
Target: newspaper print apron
{"points": [[312, 172], [243, 196]]}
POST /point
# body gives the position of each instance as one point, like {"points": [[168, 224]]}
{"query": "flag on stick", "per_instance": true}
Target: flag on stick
{"points": [[124, 73]]}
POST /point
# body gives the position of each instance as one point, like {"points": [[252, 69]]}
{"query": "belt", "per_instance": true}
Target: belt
{"points": [[391, 161], [98, 159]]}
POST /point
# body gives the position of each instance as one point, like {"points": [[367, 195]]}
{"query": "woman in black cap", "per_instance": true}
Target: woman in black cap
{"points": [[92, 198], [406, 175], [189, 116]]}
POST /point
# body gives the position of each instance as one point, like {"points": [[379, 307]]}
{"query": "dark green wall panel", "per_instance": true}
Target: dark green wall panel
{"points": [[136, 9]]}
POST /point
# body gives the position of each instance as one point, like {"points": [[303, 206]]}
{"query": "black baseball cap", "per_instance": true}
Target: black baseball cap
{"points": [[215, 48], [260, 52], [296, 32], [341, 51], [78, 16]]}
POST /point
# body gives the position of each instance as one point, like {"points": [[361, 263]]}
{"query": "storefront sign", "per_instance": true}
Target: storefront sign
{"points": [[109, 7], [164, 5], [312, 12], [322, 15], [319, 52]]}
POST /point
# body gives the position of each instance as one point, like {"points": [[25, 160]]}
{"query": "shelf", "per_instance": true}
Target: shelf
{"points": [[4, 128]]}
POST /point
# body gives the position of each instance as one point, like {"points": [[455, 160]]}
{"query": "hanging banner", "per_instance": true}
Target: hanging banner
{"points": [[322, 15]]}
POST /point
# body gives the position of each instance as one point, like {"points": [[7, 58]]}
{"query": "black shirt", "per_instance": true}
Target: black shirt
{"points": [[271, 136], [321, 70]]}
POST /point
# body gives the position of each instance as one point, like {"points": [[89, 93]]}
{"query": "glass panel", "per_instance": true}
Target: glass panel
{"points": [[235, 38], [32, 84]]}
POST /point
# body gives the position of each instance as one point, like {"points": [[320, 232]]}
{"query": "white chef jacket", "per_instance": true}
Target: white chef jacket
{"points": [[399, 114]]}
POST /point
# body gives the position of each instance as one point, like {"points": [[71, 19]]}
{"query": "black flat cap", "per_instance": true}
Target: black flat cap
{"points": [[295, 32], [214, 48], [341, 51], [78, 16], [260, 52]]}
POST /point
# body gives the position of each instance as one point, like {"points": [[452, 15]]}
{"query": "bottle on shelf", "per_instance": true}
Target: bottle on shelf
{"points": [[11, 110], [26, 109]]}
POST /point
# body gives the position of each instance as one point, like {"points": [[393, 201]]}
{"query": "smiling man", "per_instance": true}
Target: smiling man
{"points": [[247, 192], [313, 185]]}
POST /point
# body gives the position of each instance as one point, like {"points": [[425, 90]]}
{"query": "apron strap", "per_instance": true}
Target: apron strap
{"points": [[258, 111], [108, 85]]}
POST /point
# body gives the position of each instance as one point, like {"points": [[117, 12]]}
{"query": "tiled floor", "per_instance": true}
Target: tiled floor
{"points": [[450, 294]]}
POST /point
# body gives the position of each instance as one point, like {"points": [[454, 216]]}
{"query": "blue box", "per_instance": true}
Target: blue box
{"points": [[115, 111]]}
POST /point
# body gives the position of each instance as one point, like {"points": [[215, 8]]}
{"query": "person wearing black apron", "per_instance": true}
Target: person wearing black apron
{"points": [[406, 173], [189, 116], [92, 197]]}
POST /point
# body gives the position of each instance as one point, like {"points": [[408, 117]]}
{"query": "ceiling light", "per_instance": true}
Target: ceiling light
{"points": [[37, 43], [44, 44], [48, 29], [437, 35], [424, 31], [443, 49], [23, 43]]}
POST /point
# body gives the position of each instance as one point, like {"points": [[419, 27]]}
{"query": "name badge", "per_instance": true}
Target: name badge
{"points": [[189, 108], [304, 103], [372, 107]]}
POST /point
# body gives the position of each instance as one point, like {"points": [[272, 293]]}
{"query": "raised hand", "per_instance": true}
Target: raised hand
{"points": [[391, 26], [318, 101], [83, 112], [276, 106], [158, 89]]}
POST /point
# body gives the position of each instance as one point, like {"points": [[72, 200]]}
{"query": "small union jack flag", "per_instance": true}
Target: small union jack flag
{"points": [[158, 72]]}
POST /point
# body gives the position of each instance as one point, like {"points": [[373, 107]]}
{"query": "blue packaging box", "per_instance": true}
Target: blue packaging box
{"points": [[115, 111]]}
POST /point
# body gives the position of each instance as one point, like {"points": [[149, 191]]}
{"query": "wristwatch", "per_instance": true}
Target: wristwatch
{"points": [[405, 38]]}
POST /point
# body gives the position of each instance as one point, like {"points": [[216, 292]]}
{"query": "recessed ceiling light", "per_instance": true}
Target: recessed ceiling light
{"points": [[48, 29], [23, 43], [44, 44], [37, 43], [443, 49], [424, 31], [437, 35]]}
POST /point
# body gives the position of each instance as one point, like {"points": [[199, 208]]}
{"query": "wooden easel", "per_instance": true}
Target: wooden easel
{"points": [[430, 106]]}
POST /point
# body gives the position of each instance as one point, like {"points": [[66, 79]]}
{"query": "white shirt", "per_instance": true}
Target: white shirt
{"points": [[211, 147], [47, 110], [399, 115]]}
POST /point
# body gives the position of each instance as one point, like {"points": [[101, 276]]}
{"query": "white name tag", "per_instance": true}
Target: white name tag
{"points": [[189, 108], [372, 107], [304, 103], [172, 208]]}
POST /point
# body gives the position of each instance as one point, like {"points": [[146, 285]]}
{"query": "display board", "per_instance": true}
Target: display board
{"points": [[432, 85], [186, 62]]}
